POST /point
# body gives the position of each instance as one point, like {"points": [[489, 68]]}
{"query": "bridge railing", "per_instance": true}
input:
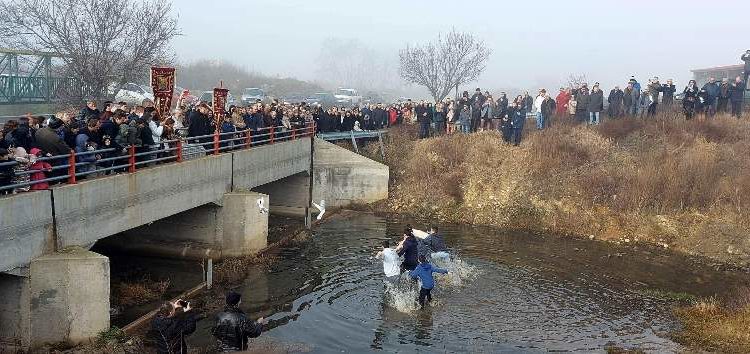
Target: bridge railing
{"points": [[72, 167]]}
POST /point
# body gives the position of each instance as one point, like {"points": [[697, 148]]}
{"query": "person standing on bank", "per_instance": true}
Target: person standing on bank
{"points": [[171, 325], [738, 95], [233, 328], [690, 100], [725, 93], [595, 105], [746, 58], [615, 99], [517, 117], [667, 93]]}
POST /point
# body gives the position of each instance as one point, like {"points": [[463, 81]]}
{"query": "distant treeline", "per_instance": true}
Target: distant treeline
{"points": [[206, 74]]}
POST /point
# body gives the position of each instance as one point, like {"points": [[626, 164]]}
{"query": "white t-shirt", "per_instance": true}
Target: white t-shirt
{"points": [[390, 262]]}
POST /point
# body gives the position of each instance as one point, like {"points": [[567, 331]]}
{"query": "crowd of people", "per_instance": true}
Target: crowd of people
{"points": [[29, 145], [98, 137]]}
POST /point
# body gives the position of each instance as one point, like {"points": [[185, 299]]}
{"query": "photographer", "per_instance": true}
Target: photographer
{"points": [[171, 324], [233, 328]]}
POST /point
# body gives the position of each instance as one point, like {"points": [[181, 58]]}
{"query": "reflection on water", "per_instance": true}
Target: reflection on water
{"points": [[507, 293]]}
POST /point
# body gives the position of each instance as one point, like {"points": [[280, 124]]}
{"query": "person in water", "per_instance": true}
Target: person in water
{"points": [[408, 249], [435, 245], [390, 261], [233, 328], [424, 272]]}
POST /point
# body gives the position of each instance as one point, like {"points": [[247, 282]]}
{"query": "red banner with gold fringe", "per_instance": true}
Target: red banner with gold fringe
{"points": [[162, 83], [219, 102]]}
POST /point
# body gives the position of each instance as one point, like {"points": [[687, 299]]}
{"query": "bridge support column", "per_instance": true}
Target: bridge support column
{"points": [[245, 224], [69, 296]]}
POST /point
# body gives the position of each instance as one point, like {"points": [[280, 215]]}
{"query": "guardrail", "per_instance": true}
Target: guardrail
{"points": [[69, 168]]}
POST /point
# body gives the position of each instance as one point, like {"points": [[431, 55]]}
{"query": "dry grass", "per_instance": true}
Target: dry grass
{"points": [[666, 180], [140, 292], [716, 325], [234, 270]]}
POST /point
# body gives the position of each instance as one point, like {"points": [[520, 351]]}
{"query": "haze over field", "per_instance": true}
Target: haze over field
{"points": [[534, 44]]}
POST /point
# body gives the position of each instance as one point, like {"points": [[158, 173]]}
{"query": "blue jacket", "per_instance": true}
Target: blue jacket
{"points": [[424, 272], [410, 251]]}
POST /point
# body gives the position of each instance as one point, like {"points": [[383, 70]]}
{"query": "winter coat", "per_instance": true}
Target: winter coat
{"points": [[424, 272], [548, 107], [583, 99], [738, 91], [746, 58], [233, 328], [82, 147], [48, 140], [168, 333], [40, 167], [712, 90], [517, 117], [435, 243], [200, 125], [410, 251], [615, 97], [667, 92], [596, 101]]}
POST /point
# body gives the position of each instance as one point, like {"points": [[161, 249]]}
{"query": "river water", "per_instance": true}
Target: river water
{"points": [[506, 293]]}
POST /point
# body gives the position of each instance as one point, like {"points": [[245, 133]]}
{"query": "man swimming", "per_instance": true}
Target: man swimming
{"points": [[424, 272]]}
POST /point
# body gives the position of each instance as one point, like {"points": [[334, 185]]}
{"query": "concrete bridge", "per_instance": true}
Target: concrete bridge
{"points": [[56, 290]]}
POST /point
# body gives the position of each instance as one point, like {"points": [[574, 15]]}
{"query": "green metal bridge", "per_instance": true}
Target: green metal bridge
{"points": [[33, 81]]}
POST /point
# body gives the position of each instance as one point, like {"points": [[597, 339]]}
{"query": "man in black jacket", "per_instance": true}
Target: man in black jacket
{"points": [[667, 93], [200, 125], [171, 324], [738, 95], [233, 328], [615, 99], [379, 117]]}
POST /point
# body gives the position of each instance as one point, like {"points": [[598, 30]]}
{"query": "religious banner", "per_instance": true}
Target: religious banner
{"points": [[162, 83], [219, 102]]}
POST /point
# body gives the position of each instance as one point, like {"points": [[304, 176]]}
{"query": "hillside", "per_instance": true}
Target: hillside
{"points": [[677, 184]]}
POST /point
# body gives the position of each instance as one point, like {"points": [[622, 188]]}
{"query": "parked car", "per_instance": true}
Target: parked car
{"points": [[347, 96], [134, 94], [323, 99], [252, 95], [293, 99]]}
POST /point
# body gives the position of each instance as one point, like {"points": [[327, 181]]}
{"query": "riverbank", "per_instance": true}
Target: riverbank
{"points": [[674, 184], [678, 184]]}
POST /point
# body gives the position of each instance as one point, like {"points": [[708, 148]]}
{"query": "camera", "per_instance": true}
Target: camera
{"points": [[182, 303]]}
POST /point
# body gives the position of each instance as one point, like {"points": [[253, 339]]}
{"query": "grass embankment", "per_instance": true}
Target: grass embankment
{"points": [[717, 325], [679, 184], [675, 183]]}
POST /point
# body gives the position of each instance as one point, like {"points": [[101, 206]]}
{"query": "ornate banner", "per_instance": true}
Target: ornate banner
{"points": [[219, 102], [162, 83]]}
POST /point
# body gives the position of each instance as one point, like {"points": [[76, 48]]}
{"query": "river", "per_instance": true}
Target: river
{"points": [[507, 293]]}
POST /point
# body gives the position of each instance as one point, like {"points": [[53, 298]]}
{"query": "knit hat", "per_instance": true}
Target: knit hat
{"points": [[233, 298]]}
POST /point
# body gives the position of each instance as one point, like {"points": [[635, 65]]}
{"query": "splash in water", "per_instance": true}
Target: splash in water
{"points": [[402, 293]]}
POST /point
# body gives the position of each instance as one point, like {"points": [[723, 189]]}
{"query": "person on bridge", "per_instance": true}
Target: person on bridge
{"points": [[423, 272], [233, 328]]}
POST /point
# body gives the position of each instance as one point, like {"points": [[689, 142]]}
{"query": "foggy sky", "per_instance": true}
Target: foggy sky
{"points": [[535, 44]]}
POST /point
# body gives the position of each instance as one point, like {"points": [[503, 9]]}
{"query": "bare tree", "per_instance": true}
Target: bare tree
{"points": [[351, 63], [453, 60], [576, 80], [101, 42]]}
